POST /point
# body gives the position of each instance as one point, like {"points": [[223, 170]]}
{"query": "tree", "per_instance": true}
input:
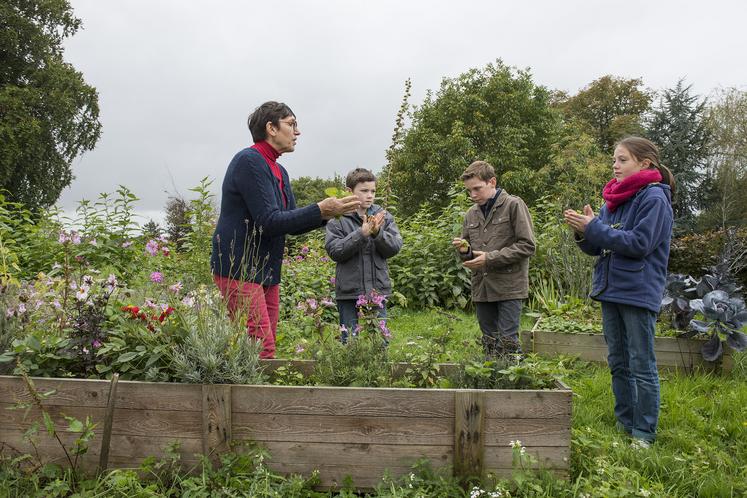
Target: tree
{"points": [[178, 222], [726, 181], [678, 126], [308, 190], [48, 114], [611, 108], [496, 114]]}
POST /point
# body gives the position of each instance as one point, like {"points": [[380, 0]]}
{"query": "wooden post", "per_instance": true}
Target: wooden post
{"points": [[216, 419], [108, 423], [469, 447]]}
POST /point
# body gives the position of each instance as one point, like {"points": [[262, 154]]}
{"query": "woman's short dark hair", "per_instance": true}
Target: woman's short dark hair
{"points": [[269, 112]]}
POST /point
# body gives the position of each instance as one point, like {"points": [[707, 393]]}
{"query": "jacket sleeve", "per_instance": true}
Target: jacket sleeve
{"points": [[257, 191], [339, 246], [524, 245], [652, 222], [388, 241]]}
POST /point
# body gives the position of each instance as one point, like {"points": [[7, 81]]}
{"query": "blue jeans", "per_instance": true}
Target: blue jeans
{"points": [[629, 332], [349, 316]]}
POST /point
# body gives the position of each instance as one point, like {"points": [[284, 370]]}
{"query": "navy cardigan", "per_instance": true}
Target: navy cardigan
{"points": [[633, 248], [249, 238]]}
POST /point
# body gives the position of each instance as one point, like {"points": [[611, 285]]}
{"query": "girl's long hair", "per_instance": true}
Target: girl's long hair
{"points": [[641, 149]]}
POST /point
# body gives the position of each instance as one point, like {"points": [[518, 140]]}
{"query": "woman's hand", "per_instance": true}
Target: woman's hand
{"points": [[331, 207], [578, 221]]}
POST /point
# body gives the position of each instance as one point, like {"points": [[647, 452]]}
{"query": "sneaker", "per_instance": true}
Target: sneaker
{"points": [[640, 444]]}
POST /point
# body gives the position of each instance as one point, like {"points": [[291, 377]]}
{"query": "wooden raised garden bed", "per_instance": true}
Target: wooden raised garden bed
{"points": [[340, 431], [671, 353]]}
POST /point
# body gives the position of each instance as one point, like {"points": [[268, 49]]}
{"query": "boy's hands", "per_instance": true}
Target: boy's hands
{"points": [[331, 207], [460, 245], [578, 221], [477, 262], [371, 225]]}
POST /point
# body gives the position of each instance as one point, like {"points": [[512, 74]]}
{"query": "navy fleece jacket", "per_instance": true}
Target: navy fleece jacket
{"points": [[249, 238], [633, 248]]}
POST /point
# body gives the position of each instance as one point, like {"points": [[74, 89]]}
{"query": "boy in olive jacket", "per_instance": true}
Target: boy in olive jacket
{"points": [[497, 241]]}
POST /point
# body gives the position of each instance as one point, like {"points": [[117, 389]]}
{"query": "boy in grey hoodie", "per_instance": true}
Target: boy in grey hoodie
{"points": [[360, 243]]}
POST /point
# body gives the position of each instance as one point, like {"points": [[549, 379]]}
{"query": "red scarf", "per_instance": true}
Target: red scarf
{"points": [[271, 155], [617, 193]]}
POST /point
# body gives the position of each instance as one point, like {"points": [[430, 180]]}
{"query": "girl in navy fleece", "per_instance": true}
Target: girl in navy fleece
{"points": [[631, 238]]}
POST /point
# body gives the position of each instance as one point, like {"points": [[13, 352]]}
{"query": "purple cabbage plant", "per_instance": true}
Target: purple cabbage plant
{"points": [[724, 318]]}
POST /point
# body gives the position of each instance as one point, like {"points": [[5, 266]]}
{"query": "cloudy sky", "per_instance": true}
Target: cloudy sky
{"points": [[177, 79]]}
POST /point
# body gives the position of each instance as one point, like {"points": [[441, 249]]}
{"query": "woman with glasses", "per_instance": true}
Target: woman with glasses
{"points": [[257, 211]]}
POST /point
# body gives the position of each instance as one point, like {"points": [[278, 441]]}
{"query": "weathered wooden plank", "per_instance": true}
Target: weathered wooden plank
{"points": [[83, 392], [469, 414], [127, 451], [400, 455], [364, 402], [166, 423], [216, 419], [670, 351], [530, 431], [108, 423], [343, 429], [508, 403]]}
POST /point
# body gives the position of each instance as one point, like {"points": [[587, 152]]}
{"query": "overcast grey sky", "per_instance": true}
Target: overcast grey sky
{"points": [[177, 79]]}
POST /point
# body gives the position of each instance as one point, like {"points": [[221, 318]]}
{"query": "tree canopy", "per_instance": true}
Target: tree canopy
{"points": [[496, 114], [48, 114]]}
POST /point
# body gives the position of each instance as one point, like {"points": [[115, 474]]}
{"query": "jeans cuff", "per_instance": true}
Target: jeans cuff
{"points": [[646, 436]]}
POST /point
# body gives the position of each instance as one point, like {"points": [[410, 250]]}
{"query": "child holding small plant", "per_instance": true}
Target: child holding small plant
{"points": [[497, 241], [360, 243]]}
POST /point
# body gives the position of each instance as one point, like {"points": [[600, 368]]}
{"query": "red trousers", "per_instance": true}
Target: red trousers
{"points": [[260, 304]]}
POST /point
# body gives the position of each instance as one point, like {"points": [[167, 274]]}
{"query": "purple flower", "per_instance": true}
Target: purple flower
{"points": [[9, 313], [312, 303], [378, 299], [332, 280], [127, 243], [21, 308], [75, 237], [188, 301], [163, 238], [151, 247], [305, 250], [362, 301], [384, 330], [299, 349], [156, 277], [328, 302], [299, 258], [57, 304], [63, 238], [96, 344], [324, 259], [176, 288]]}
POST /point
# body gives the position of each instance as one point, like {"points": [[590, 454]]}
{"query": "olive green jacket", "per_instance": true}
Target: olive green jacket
{"points": [[507, 238]]}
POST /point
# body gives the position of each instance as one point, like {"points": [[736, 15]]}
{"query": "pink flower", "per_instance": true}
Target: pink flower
{"points": [[362, 301], [156, 277], [312, 303], [305, 250], [96, 344], [127, 243], [384, 330], [324, 259], [75, 237], [176, 288], [328, 302], [63, 238], [332, 280], [165, 251], [151, 247], [299, 349], [299, 258]]}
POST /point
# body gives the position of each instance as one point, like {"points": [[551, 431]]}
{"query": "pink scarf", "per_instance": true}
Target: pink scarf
{"points": [[617, 193]]}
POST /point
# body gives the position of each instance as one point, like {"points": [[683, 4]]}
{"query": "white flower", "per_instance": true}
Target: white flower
{"points": [[82, 293]]}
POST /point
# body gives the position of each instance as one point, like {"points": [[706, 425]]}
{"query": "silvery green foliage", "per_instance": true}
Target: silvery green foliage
{"points": [[216, 350], [678, 292], [724, 317]]}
